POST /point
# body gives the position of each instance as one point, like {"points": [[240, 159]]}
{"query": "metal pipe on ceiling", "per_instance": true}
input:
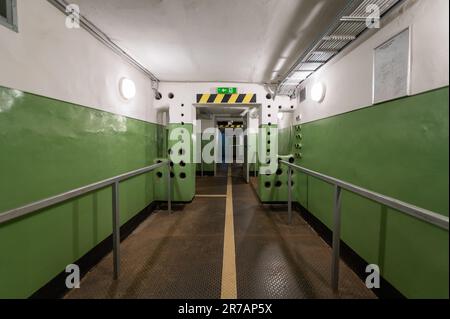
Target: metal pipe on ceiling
{"points": [[103, 38], [347, 27]]}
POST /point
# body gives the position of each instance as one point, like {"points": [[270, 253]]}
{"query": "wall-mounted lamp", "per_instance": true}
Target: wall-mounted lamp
{"points": [[318, 92], [127, 88]]}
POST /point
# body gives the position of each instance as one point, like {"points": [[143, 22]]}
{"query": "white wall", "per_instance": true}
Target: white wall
{"points": [[286, 121], [48, 59], [348, 77], [185, 96]]}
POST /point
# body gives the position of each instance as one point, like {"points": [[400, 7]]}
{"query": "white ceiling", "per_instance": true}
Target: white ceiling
{"points": [[213, 40]]}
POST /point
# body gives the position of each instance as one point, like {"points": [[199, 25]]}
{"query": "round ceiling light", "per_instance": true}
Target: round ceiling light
{"points": [[127, 88], [318, 92]]}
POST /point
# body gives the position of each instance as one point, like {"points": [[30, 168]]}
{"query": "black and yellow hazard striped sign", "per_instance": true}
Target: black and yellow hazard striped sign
{"points": [[226, 98]]}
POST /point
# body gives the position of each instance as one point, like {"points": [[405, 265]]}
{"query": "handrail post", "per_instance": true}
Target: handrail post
{"points": [[290, 194], [116, 229], [336, 238], [169, 188]]}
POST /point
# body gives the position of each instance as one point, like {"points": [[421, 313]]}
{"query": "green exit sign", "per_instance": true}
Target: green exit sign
{"points": [[226, 90]]}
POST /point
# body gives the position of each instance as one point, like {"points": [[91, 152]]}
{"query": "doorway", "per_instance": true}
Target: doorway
{"points": [[231, 123]]}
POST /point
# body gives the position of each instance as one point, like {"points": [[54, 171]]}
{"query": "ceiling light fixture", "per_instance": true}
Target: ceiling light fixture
{"points": [[318, 92]]}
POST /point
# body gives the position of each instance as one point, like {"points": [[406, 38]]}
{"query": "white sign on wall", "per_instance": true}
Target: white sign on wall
{"points": [[391, 68]]}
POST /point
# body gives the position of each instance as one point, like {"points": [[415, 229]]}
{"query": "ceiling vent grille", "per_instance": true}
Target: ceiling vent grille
{"points": [[348, 26]]}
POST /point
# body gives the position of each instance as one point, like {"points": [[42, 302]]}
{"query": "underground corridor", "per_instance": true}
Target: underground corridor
{"points": [[210, 152]]}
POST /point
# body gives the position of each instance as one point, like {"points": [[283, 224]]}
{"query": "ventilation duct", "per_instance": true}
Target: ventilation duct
{"points": [[351, 23]]}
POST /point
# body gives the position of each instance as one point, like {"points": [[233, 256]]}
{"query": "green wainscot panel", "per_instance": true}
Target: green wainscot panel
{"points": [[400, 149], [49, 147], [285, 141]]}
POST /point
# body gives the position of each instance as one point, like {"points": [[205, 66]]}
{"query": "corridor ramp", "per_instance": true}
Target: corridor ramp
{"points": [[195, 253]]}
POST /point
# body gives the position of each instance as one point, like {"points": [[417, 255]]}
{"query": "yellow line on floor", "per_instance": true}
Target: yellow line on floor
{"points": [[229, 289], [211, 196]]}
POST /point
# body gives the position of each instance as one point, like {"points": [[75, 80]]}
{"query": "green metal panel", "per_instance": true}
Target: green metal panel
{"points": [[285, 141], [207, 167], [183, 180], [48, 147], [272, 187], [290, 141], [400, 149]]}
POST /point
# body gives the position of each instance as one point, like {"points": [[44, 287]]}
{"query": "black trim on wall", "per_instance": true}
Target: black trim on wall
{"points": [[56, 288], [348, 255]]}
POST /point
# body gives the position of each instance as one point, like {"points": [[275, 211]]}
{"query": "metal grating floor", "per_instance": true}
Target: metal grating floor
{"points": [[208, 185], [179, 256], [176, 256], [277, 260]]}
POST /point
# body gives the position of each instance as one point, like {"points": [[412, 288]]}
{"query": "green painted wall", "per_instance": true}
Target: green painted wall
{"points": [[285, 141], [398, 148], [48, 147]]}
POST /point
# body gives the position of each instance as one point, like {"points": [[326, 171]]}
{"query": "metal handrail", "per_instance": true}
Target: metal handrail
{"points": [[19, 212], [409, 209]]}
